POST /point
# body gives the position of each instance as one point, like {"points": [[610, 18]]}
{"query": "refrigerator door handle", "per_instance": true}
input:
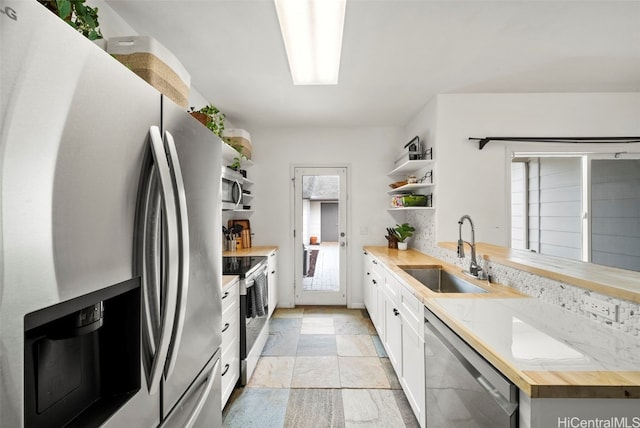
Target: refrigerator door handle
{"points": [[183, 252], [150, 264], [169, 259], [203, 396]]}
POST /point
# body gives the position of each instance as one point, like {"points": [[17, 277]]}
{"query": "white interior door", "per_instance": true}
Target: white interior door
{"points": [[320, 259]]}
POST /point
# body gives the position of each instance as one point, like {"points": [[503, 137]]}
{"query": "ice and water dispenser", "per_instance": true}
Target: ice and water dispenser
{"points": [[82, 357]]}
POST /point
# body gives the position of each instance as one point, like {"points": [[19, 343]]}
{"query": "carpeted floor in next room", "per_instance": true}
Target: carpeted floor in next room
{"points": [[321, 367]]}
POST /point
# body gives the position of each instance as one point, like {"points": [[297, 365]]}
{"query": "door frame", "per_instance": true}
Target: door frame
{"points": [[296, 256]]}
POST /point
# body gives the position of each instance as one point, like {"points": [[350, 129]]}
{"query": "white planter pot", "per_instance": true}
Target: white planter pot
{"points": [[101, 43], [402, 245]]}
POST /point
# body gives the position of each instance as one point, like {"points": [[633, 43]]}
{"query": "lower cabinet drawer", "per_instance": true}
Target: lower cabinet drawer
{"points": [[230, 328], [230, 359], [230, 299], [230, 369], [412, 310]]}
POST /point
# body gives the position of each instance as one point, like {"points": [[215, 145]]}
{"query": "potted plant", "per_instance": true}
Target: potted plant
{"points": [[75, 13], [403, 232], [237, 161], [211, 117]]}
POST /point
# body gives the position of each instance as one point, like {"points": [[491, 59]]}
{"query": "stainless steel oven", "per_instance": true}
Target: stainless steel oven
{"points": [[462, 388], [254, 309], [231, 193]]}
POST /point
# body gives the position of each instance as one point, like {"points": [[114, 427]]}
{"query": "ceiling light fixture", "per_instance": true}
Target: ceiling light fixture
{"points": [[312, 33]]}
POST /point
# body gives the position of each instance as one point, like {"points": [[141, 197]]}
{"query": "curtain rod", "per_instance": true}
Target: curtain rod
{"points": [[575, 140]]}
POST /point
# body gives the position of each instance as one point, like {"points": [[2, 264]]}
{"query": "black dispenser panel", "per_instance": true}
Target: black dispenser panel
{"points": [[82, 357]]}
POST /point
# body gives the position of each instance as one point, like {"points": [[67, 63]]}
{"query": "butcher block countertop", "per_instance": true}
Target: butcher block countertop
{"points": [[228, 279], [253, 251], [547, 351]]}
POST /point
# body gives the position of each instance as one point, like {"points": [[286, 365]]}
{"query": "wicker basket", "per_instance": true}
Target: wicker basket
{"points": [[153, 63], [239, 138]]}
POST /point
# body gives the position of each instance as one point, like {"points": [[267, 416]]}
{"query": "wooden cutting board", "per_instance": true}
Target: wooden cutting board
{"points": [[246, 231]]}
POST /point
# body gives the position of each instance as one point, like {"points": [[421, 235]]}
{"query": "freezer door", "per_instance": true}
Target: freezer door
{"points": [[72, 139], [199, 153], [200, 405]]}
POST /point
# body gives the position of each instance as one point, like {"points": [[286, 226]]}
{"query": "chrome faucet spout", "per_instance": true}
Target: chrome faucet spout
{"points": [[474, 268]]}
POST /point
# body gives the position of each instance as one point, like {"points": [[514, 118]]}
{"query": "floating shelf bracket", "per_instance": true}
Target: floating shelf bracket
{"points": [[566, 140]]}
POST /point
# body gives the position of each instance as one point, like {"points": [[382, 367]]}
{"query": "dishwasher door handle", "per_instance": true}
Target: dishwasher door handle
{"points": [[507, 406]]}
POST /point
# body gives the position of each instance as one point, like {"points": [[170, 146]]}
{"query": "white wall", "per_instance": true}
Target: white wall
{"points": [[111, 24], [469, 181], [366, 151]]}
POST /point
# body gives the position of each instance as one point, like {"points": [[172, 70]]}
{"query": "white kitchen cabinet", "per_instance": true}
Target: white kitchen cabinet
{"points": [[400, 326], [272, 280], [379, 320], [367, 286], [230, 359], [370, 281], [392, 323], [423, 169], [412, 378]]}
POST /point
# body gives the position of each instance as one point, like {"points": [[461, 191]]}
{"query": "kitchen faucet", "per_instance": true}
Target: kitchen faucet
{"points": [[474, 269]]}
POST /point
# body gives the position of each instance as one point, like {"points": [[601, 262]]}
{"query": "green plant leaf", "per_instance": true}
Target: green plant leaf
{"points": [[90, 21], [81, 10], [64, 9]]}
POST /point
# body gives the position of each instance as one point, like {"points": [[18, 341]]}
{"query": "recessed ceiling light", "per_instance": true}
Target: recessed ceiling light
{"points": [[312, 33]]}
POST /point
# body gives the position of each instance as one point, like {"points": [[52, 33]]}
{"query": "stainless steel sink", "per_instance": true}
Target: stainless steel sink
{"points": [[442, 281]]}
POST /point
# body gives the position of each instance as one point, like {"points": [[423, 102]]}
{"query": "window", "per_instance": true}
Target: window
{"points": [[582, 207]]}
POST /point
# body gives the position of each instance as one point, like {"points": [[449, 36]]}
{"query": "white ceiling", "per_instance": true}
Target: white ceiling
{"points": [[396, 54]]}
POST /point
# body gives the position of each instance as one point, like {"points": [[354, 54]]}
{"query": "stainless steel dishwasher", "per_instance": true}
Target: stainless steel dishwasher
{"points": [[462, 388]]}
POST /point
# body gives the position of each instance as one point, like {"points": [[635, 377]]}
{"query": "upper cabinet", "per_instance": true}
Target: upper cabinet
{"points": [[414, 185]]}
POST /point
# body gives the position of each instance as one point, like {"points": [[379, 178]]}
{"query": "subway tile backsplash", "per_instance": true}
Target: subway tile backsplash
{"points": [[555, 292]]}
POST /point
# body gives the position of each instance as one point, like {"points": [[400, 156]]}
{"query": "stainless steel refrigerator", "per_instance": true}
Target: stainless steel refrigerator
{"points": [[110, 258]]}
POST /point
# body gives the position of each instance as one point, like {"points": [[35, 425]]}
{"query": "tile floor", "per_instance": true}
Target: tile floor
{"points": [[321, 367]]}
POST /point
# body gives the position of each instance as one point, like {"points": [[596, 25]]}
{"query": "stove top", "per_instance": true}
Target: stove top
{"points": [[241, 265]]}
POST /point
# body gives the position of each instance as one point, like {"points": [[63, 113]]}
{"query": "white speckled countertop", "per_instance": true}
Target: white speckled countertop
{"points": [[536, 336]]}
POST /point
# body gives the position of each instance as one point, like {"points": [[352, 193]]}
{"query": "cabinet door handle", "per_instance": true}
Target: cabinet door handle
{"points": [[273, 272], [396, 312], [226, 327], [226, 294], [226, 369], [374, 281]]}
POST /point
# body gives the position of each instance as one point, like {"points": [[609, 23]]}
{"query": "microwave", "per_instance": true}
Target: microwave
{"points": [[231, 189]]}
